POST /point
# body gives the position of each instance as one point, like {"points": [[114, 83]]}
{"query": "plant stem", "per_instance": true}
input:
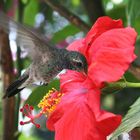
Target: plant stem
{"points": [[133, 85], [125, 85], [116, 86], [74, 19]]}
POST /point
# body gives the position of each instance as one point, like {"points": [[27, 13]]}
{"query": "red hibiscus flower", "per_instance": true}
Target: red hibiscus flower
{"points": [[78, 116], [76, 113], [109, 49]]}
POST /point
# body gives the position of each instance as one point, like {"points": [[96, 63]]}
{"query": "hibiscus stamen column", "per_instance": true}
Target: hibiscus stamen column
{"points": [[47, 104], [50, 101]]}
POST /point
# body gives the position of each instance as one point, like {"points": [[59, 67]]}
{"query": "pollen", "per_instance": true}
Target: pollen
{"points": [[50, 101]]}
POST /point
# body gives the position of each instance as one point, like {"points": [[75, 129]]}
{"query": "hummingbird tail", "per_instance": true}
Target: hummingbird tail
{"points": [[14, 88]]}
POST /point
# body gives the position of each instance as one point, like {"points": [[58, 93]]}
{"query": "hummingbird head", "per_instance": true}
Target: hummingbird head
{"points": [[77, 61]]}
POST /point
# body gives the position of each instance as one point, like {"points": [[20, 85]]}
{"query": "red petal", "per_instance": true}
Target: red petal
{"points": [[79, 117], [111, 54], [71, 80], [106, 122], [76, 45], [102, 25], [77, 123]]}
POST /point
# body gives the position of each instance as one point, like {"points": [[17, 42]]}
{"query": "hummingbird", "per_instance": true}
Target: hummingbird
{"points": [[47, 60]]}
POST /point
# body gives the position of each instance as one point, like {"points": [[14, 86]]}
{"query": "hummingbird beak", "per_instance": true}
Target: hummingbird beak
{"points": [[85, 70]]}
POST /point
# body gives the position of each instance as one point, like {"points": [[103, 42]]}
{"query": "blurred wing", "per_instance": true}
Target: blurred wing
{"points": [[33, 42]]}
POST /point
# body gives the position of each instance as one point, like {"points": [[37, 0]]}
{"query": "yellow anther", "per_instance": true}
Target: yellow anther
{"points": [[50, 101]]}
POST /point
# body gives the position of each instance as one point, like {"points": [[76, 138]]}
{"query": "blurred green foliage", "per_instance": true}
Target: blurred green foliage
{"points": [[24, 137], [30, 11], [68, 30]]}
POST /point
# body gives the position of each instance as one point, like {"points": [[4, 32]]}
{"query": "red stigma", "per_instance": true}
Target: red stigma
{"points": [[21, 110], [37, 125], [27, 111], [21, 123], [31, 108]]}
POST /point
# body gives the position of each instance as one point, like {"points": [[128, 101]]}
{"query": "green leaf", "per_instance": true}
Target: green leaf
{"points": [[8, 4], [65, 32], [133, 11], [30, 12], [114, 87], [25, 1], [40, 92], [130, 77], [130, 121], [26, 62], [118, 12], [109, 89], [75, 2], [137, 51], [48, 13]]}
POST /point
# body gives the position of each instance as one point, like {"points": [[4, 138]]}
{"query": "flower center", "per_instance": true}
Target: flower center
{"points": [[50, 101], [47, 104]]}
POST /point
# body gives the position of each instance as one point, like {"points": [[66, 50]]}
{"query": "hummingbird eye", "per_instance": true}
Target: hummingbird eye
{"points": [[78, 64]]}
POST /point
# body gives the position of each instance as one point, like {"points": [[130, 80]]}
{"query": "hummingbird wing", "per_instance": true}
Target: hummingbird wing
{"points": [[34, 43]]}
